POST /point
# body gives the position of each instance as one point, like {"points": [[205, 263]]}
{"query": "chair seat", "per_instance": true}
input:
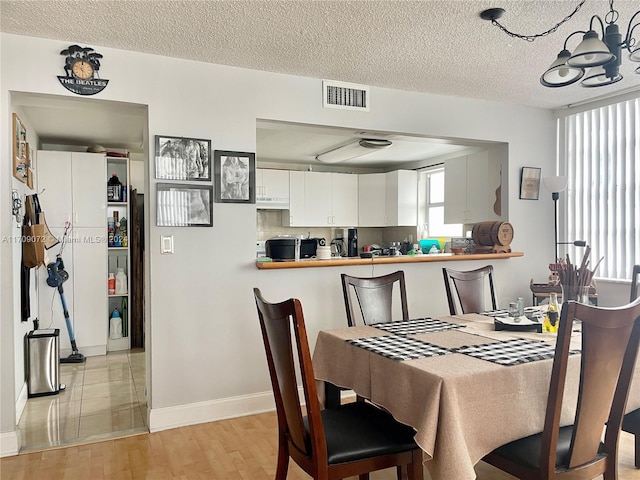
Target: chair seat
{"points": [[631, 422], [360, 430], [526, 451]]}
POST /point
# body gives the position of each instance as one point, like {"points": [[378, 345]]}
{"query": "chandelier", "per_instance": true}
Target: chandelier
{"points": [[600, 50]]}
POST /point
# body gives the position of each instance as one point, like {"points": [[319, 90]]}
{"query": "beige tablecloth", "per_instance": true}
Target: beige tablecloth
{"points": [[461, 407]]}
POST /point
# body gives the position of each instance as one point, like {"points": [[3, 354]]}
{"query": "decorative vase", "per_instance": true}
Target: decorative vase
{"points": [[577, 293]]}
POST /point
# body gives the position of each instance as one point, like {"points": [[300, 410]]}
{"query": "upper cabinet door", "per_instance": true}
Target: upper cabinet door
{"points": [[372, 191], [54, 187], [344, 199], [294, 217], [318, 211], [272, 188], [89, 187], [402, 198]]}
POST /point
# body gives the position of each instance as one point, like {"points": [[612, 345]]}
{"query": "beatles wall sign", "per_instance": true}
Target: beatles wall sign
{"points": [[81, 65]]}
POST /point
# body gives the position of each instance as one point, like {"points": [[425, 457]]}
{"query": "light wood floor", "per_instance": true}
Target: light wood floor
{"points": [[238, 449]]}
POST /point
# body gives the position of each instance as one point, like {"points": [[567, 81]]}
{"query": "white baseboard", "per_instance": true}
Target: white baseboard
{"points": [[210, 411], [87, 351], [21, 402], [9, 443]]}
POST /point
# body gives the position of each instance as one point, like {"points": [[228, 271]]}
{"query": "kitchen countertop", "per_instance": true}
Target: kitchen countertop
{"points": [[346, 261]]}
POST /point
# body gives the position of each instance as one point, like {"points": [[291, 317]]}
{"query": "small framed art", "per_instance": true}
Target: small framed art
{"points": [[179, 158], [235, 176], [184, 205], [530, 183], [20, 150]]}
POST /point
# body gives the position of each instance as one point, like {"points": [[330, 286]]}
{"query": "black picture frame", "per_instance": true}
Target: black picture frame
{"points": [[184, 205], [235, 176], [530, 183], [183, 158]]}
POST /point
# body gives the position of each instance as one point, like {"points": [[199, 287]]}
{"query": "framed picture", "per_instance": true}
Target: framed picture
{"points": [[530, 183], [20, 150], [184, 205], [235, 176], [179, 158]]}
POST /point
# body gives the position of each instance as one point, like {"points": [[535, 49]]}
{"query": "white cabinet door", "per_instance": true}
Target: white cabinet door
{"points": [[272, 188], [344, 195], [294, 217], [89, 184], [90, 286], [372, 200], [402, 198], [54, 185], [455, 190], [318, 210], [483, 178]]}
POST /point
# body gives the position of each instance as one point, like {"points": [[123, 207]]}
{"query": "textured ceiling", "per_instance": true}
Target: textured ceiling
{"points": [[440, 47]]}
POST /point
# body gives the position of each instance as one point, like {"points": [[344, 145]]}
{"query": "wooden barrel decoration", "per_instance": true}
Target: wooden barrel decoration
{"points": [[497, 235]]}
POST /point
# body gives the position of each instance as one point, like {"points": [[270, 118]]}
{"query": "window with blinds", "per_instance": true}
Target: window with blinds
{"points": [[602, 201]]}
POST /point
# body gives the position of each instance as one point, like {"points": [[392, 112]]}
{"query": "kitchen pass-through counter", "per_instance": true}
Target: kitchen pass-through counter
{"points": [[349, 261]]}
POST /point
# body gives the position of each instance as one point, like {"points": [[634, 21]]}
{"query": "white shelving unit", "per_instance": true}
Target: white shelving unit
{"points": [[118, 256]]}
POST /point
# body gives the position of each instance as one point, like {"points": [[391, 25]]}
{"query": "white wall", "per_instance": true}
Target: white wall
{"points": [[203, 338]]}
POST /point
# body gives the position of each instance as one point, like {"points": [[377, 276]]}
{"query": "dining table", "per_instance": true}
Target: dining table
{"points": [[465, 387]]}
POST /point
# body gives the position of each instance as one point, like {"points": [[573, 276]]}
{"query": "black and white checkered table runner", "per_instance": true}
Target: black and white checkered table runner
{"points": [[511, 352], [399, 348], [415, 326]]}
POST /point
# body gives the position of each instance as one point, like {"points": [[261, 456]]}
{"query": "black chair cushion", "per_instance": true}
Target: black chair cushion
{"points": [[526, 451], [631, 422], [360, 430]]}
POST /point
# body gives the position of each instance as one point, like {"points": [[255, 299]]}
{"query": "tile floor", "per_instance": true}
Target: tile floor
{"points": [[104, 398]]}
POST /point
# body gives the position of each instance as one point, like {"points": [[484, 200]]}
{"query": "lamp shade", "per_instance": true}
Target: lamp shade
{"points": [[591, 52], [597, 77], [555, 184], [559, 74], [634, 56]]}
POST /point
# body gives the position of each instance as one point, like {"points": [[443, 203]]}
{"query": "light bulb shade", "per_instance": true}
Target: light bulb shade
{"points": [[634, 56], [352, 150], [597, 77], [555, 184], [591, 52], [559, 74]]}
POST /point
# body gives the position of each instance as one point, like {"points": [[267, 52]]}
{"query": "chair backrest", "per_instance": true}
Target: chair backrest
{"points": [[635, 280], [609, 348], [278, 321], [375, 297], [470, 289]]}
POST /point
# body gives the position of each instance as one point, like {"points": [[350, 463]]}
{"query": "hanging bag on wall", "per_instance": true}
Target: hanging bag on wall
{"points": [[33, 245]]}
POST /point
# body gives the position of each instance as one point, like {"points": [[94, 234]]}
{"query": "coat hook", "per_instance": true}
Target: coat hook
{"points": [[16, 206]]}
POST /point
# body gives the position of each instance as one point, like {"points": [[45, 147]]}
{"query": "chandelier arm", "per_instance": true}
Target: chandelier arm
{"points": [[629, 41], [531, 38], [566, 40], [601, 24]]}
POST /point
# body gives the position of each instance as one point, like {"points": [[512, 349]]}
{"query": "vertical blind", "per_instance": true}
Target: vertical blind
{"points": [[602, 155]]}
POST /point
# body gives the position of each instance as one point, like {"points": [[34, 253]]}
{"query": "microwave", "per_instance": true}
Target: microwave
{"points": [[284, 248]]}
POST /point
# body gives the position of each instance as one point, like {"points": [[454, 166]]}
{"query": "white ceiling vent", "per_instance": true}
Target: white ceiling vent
{"points": [[347, 96]]}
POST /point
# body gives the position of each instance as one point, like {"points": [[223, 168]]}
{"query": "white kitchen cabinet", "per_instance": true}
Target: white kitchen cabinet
{"points": [[294, 217], [272, 188], [69, 182], [320, 199], [402, 198], [471, 182], [388, 199]]}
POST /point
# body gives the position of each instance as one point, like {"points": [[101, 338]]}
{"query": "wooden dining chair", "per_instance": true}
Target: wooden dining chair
{"points": [[610, 338], [631, 421], [334, 443], [470, 289], [375, 297]]}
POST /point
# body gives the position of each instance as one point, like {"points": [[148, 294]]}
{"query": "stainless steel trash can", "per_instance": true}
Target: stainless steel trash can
{"points": [[43, 362]]}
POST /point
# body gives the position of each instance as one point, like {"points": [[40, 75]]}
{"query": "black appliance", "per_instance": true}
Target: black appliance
{"points": [[352, 242], [284, 248]]}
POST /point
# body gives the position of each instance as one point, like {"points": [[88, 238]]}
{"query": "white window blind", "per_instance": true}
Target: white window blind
{"points": [[602, 201]]}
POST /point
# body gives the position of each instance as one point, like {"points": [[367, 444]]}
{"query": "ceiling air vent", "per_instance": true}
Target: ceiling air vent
{"points": [[347, 96]]}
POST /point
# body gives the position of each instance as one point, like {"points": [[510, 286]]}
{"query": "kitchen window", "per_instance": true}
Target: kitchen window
{"points": [[434, 205]]}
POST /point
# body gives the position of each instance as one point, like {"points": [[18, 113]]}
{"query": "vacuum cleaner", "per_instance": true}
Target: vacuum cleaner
{"points": [[56, 276]]}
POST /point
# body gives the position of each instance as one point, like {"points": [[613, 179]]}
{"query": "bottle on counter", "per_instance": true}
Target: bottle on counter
{"points": [[111, 284], [121, 281], [115, 325]]}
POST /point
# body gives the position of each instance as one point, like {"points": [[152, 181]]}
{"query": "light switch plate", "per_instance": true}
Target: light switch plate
{"points": [[166, 244]]}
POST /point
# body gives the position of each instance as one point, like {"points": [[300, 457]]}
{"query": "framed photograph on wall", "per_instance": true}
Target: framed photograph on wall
{"points": [[530, 183], [20, 150], [235, 176], [180, 158], [184, 205]]}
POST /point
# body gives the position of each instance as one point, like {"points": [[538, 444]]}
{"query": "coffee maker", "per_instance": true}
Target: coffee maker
{"points": [[352, 242]]}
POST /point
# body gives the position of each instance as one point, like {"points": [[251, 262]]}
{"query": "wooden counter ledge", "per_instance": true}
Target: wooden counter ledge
{"points": [[342, 262]]}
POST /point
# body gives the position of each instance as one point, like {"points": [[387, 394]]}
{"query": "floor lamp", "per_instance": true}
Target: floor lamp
{"points": [[555, 185]]}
